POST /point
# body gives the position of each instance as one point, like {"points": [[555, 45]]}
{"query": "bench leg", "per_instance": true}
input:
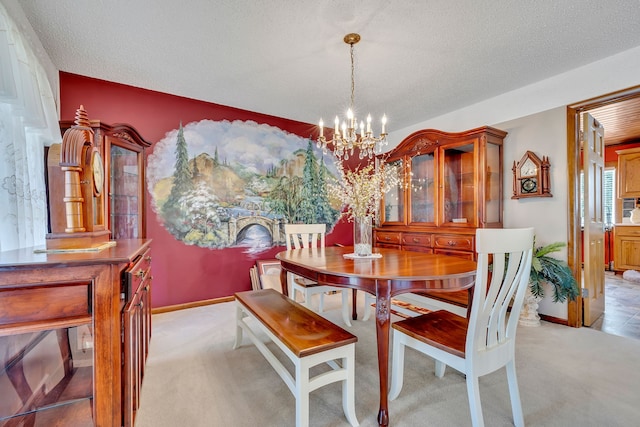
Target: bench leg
{"points": [[239, 316], [302, 395]]}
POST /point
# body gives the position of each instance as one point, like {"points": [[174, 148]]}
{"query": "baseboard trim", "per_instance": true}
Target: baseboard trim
{"points": [[194, 304], [553, 319]]}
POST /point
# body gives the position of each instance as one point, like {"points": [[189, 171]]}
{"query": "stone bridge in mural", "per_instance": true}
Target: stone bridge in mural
{"points": [[239, 225]]}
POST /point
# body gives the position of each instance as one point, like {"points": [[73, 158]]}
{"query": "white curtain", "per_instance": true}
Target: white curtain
{"points": [[28, 123]]}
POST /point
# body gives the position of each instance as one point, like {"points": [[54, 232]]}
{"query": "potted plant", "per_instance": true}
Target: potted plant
{"points": [[557, 273]]}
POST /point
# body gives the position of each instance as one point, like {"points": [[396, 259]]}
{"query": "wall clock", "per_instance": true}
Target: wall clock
{"points": [[97, 168], [76, 181], [531, 177]]}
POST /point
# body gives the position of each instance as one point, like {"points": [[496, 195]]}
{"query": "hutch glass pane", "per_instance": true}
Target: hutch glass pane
{"points": [[124, 191], [47, 377], [493, 196], [394, 198], [422, 188], [458, 184]]}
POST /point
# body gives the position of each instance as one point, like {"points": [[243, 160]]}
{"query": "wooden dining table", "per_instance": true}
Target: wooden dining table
{"points": [[395, 272]]}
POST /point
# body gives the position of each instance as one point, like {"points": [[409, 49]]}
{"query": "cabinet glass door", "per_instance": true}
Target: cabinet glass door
{"points": [[393, 201], [423, 190], [458, 206], [125, 201]]}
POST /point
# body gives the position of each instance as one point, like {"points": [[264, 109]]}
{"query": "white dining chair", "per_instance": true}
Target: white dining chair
{"points": [[484, 342], [305, 236]]}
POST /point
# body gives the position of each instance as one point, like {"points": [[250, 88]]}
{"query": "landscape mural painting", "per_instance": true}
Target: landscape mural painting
{"points": [[217, 184]]}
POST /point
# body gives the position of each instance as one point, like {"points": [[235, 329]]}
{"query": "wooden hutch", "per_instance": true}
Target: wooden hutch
{"points": [[452, 184], [75, 317]]}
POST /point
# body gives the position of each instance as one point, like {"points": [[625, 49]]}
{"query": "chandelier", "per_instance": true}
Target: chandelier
{"points": [[348, 136]]}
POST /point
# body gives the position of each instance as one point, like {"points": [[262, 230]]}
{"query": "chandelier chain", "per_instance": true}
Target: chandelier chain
{"points": [[353, 78]]}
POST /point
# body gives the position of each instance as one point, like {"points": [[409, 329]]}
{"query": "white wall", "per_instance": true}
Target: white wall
{"points": [[535, 117], [544, 134]]}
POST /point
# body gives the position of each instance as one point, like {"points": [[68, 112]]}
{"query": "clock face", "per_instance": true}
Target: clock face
{"points": [[97, 169], [529, 185], [529, 168]]}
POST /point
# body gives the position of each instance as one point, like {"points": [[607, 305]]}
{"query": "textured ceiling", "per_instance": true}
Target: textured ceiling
{"points": [[417, 59]]}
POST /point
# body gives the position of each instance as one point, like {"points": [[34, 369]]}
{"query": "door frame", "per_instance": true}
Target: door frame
{"points": [[574, 243]]}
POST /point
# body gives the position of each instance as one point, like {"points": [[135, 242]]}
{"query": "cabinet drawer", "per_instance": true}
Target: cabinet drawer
{"points": [[454, 241], [416, 239], [137, 273], [388, 237], [423, 249], [41, 303], [459, 254]]}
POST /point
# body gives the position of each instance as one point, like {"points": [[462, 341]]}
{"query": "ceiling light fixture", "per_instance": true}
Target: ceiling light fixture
{"points": [[348, 136]]}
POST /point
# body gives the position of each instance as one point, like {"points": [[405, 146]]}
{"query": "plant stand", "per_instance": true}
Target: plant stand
{"points": [[529, 314]]}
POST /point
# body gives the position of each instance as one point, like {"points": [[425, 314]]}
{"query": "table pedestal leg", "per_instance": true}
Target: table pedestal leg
{"points": [[383, 316], [354, 304], [283, 282]]}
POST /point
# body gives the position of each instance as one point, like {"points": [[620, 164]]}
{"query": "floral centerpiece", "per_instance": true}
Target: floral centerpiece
{"points": [[361, 189]]}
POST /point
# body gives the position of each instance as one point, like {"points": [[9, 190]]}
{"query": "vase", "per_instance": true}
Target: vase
{"points": [[529, 313], [362, 236]]}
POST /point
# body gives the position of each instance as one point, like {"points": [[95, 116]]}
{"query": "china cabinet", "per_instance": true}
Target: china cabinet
{"points": [[122, 149], [452, 184]]}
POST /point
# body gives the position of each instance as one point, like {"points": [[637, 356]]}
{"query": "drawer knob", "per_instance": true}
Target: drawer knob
{"points": [[451, 243], [416, 240], [148, 258], [140, 274], [387, 238]]}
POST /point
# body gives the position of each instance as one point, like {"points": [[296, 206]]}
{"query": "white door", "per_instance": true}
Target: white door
{"points": [[593, 243]]}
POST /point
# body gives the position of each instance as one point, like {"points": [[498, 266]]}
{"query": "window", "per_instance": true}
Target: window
{"points": [[608, 195]]}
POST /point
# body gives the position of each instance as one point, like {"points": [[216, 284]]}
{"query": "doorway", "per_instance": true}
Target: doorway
{"points": [[611, 110]]}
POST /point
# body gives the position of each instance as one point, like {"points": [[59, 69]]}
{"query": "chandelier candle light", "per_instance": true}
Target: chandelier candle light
{"points": [[348, 136]]}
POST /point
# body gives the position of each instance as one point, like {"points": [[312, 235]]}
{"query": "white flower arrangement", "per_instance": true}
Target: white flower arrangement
{"points": [[361, 189]]}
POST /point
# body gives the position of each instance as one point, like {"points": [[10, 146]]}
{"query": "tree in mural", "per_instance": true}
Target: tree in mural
{"points": [[324, 213], [286, 197], [304, 199], [309, 187], [200, 207], [173, 209]]}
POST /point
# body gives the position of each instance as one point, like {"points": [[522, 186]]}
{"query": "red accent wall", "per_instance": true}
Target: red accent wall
{"points": [[181, 273]]}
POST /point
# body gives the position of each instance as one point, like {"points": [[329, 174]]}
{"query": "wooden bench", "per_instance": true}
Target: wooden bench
{"points": [[307, 339]]}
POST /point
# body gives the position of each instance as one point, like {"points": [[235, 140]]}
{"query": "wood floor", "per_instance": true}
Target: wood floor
{"points": [[622, 307]]}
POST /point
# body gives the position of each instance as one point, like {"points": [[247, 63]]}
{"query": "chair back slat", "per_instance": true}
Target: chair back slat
{"points": [[506, 260], [305, 235]]}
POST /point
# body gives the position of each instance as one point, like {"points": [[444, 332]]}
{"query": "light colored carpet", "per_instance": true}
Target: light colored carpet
{"points": [[567, 377]]}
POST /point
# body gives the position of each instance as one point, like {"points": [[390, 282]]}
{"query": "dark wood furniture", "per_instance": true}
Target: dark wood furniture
{"points": [[121, 201], [452, 184], [395, 273], [50, 298]]}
